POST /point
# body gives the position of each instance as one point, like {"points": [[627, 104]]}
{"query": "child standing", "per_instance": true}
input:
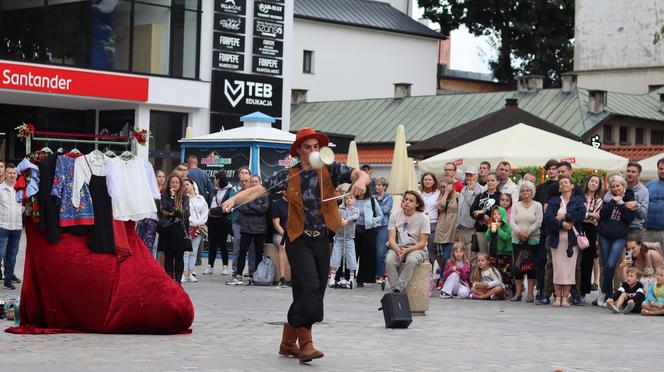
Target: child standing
{"points": [[630, 294], [344, 241], [487, 283], [456, 274], [499, 234], [654, 302]]}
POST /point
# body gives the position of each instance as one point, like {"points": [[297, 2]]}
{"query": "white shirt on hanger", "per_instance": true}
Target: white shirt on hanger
{"points": [[132, 186], [82, 173]]}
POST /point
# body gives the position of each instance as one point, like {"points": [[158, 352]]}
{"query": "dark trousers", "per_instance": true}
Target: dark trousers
{"points": [[174, 263], [309, 260], [588, 258], [541, 262], [218, 231], [245, 242], [365, 248]]}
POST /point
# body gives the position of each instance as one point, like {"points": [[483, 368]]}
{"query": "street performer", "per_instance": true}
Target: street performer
{"points": [[312, 210]]}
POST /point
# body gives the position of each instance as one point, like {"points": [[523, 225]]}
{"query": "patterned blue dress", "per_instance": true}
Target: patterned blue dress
{"points": [[63, 183]]}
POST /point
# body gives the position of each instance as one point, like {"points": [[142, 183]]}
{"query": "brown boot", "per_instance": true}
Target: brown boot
{"points": [[307, 351], [288, 345]]}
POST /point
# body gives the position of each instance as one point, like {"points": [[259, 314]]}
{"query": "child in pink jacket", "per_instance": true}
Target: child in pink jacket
{"points": [[456, 274]]}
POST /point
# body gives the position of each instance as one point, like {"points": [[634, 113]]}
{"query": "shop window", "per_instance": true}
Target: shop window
{"points": [[166, 129], [608, 134], [160, 37], [624, 135], [657, 137], [308, 62], [638, 136]]}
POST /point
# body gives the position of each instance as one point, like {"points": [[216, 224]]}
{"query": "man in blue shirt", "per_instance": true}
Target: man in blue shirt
{"points": [[655, 217]]}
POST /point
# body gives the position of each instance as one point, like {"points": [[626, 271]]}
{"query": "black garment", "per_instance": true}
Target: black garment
{"points": [[245, 242], [365, 250], [542, 192], [309, 259], [635, 293], [49, 216], [483, 204], [588, 258], [218, 231], [174, 264], [541, 260], [527, 267], [172, 232], [101, 238]]}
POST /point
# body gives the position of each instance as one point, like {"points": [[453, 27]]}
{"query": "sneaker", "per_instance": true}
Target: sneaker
{"points": [[578, 301], [224, 270], [496, 298], [194, 273], [282, 283], [594, 287], [331, 282], [601, 300], [530, 299], [184, 279], [352, 283], [473, 296], [445, 295], [612, 307], [542, 299], [9, 285], [15, 279], [628, 308], [208, 270], [192, 278], [235, 281]]}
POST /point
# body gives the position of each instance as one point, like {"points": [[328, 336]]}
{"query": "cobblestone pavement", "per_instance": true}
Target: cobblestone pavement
{"points": [[239, 328]]}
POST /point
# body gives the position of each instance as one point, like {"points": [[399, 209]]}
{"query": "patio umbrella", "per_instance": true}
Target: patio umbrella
{"points": [[353, 159], [650, 167], [402, 173]]}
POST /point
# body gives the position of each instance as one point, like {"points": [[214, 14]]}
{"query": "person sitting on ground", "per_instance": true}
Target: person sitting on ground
{"points": [[344, 241], [654, 302], [456, 274], [640, 257], [630, 294], [409, 231], [486, 279]]}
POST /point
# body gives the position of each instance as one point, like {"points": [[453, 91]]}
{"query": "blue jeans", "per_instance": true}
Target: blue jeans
{"points": [[381, 250], [9, 240], [610, 251], [445, 251]]}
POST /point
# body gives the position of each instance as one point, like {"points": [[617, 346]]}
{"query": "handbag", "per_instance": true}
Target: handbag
{"points": [[188, 246], [474, 245], [525, 260], [581, 239]]}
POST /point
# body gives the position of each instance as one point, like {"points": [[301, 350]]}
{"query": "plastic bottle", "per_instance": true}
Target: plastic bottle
{"points": [[16, 311]]}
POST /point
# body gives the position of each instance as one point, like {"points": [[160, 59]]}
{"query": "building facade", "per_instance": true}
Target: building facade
{"points": [[105, 67], [360, 49], [614, 45]]}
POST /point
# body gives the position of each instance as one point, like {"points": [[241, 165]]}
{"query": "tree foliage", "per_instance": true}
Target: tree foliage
{"points": [[531, 36]]}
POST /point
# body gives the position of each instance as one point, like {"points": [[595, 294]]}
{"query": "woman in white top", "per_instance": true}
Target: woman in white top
{"points": [[198, 215], [430, 196]]}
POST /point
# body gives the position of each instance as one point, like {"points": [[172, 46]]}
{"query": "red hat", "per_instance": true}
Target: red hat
{"points": [[305, 134]]}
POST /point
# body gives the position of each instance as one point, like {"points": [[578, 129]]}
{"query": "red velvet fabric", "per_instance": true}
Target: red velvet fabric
{"points": [[68, 288]]}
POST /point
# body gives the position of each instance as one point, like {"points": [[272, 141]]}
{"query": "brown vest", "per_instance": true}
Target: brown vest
{"points": [[329, 209]]}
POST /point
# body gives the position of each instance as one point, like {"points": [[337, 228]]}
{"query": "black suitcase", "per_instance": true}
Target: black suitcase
{"points": [[396, 310]]}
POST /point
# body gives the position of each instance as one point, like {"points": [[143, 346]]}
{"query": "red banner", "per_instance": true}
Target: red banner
{"points": [[72, 82]]}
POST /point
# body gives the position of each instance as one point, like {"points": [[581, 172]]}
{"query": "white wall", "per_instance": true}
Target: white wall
{"points": [[404, 6], [615, 36], [357, 63]]}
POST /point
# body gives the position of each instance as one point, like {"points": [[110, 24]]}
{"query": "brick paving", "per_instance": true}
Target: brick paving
{"points": [[239, 328]]}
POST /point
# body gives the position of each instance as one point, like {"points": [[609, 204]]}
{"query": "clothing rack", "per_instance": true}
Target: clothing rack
{"points": [[69, 138]]}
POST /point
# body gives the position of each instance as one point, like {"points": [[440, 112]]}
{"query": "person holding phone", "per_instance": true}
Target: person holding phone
{"points": [[615, 218]]}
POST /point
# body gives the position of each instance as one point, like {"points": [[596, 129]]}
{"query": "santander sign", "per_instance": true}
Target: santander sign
{"points": [[26, 77]]}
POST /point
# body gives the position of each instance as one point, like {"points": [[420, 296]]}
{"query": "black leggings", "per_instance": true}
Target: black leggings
{"points": [[219, 229], [245, 241], [174, 257], [588, 258], [309, 260]]}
